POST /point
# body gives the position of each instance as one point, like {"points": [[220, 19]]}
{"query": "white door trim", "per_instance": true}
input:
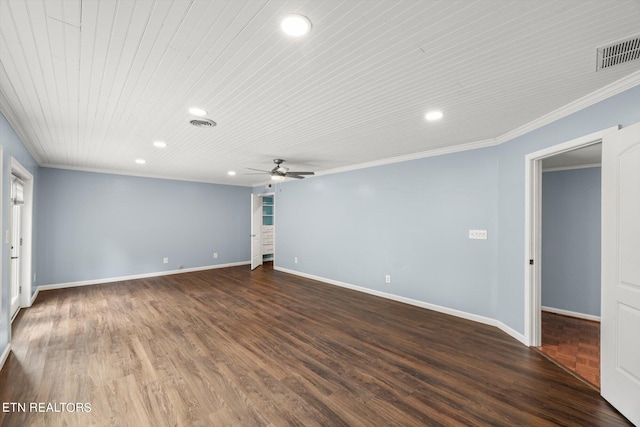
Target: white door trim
{"points": [[26, 280], [273, 194], [256, 231], [532, 227]]}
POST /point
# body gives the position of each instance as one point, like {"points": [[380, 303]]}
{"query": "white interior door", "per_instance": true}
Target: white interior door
{"points": [[16, 243], [620, 317], [256, 227]]}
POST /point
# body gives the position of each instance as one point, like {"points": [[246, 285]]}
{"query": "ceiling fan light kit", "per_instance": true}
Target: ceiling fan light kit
{"points": [[280, 173]]}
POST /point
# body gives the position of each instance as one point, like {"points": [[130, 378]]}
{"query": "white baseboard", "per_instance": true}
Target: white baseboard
{"points": [[5, 355], [462, 314], [333, 282], [453, 312], [571, 313], [135, 276], [510, 331], [34, 296]]}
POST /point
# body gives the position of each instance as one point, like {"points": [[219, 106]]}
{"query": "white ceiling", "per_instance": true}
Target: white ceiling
{"points": [[91, 84]]}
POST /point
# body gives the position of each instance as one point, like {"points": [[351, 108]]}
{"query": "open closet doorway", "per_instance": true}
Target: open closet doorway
{"points": [[555, 291], [570, 260], [19, 238], [262, 229]]}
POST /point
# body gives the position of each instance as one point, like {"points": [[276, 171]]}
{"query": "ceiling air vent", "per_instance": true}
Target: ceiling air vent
{"points": [[202, 123], [618, 53]]}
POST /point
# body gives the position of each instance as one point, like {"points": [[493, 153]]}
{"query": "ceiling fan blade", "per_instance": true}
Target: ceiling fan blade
{"points": [[290, 175], [300, 173], [259, 170]]}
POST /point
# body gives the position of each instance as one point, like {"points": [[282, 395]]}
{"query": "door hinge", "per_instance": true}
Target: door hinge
{"points": [[530, 262], [20, 289], [21, 241]]}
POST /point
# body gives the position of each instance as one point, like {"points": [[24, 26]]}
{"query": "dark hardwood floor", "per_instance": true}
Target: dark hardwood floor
{"points": [[235, 347], [574, 343]]}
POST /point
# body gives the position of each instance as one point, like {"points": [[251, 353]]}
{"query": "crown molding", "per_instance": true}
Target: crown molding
{"points": [[569, 168], [601, 94], [136, 174], [421, 155], [12, 119]]}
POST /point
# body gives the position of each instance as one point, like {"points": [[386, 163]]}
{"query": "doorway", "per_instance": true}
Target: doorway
{"points": [[570, 260], [533, 229], [262, 229], [20, 237], [15, 217]]}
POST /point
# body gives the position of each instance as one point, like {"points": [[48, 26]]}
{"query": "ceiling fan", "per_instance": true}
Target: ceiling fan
{"points": [[279, 172]]}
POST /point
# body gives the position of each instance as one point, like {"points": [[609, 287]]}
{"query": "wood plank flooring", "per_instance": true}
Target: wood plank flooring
{"points": [[264, 348], [574, 343]]}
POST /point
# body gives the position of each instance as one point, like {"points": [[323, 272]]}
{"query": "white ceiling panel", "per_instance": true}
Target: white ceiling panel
{"points": [[91, 84]]}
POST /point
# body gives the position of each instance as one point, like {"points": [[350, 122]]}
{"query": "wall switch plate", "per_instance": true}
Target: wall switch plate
{"points": [[387, 278], [295, 260], [215, 255], [478, 234], [165, 260]]}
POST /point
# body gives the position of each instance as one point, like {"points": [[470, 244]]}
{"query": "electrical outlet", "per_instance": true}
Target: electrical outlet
{"points": [[215, 255], [295, 260], [478, 234], [387, 278], [165, 260]]}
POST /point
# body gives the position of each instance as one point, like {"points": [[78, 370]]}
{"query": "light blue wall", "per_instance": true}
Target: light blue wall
{"points": [[622, 109], [263, 189], [571, 209], [97, 226], [12, 147], [410, 220]]}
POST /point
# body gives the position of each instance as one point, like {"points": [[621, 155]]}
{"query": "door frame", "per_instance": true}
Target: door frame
{"points": [[256, 215], [259, 196], [273, 194], [15, 264], [26, 263], [533, 229]]}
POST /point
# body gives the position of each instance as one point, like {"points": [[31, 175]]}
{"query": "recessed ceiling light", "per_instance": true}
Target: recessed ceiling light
{"points": [[159, 144], [231, 173], [141, 161], [197, 111], [295, 25], [432, 116]]}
